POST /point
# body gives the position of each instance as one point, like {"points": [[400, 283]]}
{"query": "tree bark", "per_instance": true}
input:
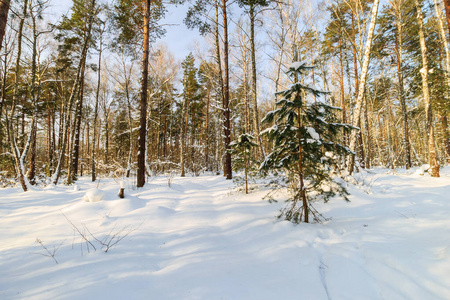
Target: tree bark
{"points": [[432, 155], [447, 13], [64, 131], [32, 167], [401, 93], [73, 170], [4, 10], [184, 137], [300, 169], [226, 109], [362, 85], [97, 96], [446, 135], [18, 158], [143, 102], [254, 79]]}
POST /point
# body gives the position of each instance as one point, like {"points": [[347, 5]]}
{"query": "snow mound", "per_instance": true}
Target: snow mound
{"points": [[421, 171], [93, 195]]}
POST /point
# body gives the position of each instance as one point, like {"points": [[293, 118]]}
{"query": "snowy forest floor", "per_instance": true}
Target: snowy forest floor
{"points": [[202, 239]]}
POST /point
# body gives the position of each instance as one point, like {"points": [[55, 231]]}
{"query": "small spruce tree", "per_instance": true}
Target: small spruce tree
{"points": [[241, 150], [305, 148]]}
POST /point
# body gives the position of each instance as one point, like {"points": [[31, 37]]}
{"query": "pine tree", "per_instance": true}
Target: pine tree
{"points": [[305, 148], [136, 23], [192, 112], [241, 149]]}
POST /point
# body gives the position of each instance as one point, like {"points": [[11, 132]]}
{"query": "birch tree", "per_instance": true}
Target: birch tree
{"points": [[362, 84]]}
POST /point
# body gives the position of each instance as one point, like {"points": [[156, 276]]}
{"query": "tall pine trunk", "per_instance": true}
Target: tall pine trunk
{"points": [[143, 102], [226, 98], [254, 80]]}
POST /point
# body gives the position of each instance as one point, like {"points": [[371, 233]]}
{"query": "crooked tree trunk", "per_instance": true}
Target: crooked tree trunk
{"points": [[432, 155], [362, 85], [143, 102]]}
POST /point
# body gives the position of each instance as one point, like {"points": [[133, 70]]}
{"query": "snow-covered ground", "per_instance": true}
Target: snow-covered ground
{"points": [[201, 239]]}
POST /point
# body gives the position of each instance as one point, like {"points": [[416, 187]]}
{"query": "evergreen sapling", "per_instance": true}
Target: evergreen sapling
{"points": [[241, 150], [305, 148]]}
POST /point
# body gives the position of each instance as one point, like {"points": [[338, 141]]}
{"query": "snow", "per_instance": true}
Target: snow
{"points": [[295, 65], [269, 130], [201, 239], [313, 134], [93, 195]]}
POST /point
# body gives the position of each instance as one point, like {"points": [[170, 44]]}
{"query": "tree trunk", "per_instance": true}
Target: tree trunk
{"points": [[300, 169], [254, 80], [447, 13], [446, 134], [64, 131], [184, 138], [432, 155], [130, 123], [143, 102], [401, 93], [226, 109], [50, 148], [97, 96], [32, 168], [4, 10], [73, 169], [18, 159], [362, 85], [106, 153], [207, 133], [341, 83]]}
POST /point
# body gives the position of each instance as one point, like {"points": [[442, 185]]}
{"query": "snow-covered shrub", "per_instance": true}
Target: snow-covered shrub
{"points": [[93, 195]]}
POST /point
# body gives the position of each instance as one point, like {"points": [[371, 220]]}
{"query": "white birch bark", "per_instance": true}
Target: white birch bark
{"points": [[362, 85]]}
